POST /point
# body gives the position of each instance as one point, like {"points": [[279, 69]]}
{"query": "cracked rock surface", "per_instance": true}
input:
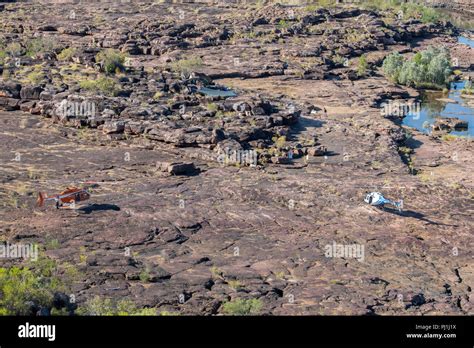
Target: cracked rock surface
{"points": [[206, 231]]}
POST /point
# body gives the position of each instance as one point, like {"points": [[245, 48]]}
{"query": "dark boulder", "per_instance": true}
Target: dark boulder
{"points": [[31, 92], [10, 90]]}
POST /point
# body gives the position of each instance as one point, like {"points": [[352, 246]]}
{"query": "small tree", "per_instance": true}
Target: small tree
{"points": [[362, 66], [429, 68], [187, 66], [40, 45], [392, 65], [35, 285], [66, 54], [112, 61], [243, 307], [102, 84], [108, 307]]}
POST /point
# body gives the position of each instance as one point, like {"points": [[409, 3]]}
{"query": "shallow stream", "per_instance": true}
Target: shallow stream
{"points": [[436, 104]]}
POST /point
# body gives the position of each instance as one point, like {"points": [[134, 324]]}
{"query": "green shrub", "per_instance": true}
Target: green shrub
{"points": [[450, 137], [3, 52], [430, 68], [18, 286], [408, 10], [405, 150], [282, 24], [431, 15], [14, 49], [279, 142], [36, 282], [67, 53], [468, 89], [158, 95], [187, 66], [362, 66], [212, 107], [327, 3], [381, 4], [216, 272], [108, 307], [169, 314], [338, 59], [112, 61], [6, 74], [3, 55], [392, 65], [235, 284], [53, 244], [36, 76], [242, 307], [423, 13], [310, 8], [103, 84], [39, 45], [145, 275]]}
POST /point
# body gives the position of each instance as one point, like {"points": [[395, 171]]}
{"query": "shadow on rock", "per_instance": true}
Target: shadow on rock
{"points": [[415, 215], [99, 207], [304, 124], [331, 153], [413, 143], [309, 122]]}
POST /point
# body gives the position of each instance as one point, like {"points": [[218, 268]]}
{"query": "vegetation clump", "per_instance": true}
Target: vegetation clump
{"points": [[24, 288], [362, 66], [427, 69], [187, 66], [103, 84], [404, 10], [108, 307], [3, 52], [111, 61], [36, 76], [66, 54], [14, 49], [242, 307], [39, 45], [468, 89]]}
